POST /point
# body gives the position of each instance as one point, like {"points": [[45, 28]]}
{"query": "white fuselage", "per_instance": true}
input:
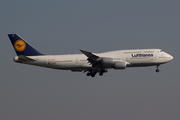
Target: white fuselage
{"points": [[78, 62]]}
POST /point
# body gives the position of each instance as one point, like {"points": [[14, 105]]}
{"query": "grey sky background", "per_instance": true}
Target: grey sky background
{"points": [[64, 27]]}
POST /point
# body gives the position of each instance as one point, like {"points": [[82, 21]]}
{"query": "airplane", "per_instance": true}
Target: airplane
{"points": [[89, 62]]}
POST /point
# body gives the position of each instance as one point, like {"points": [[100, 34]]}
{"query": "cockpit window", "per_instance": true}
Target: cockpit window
{"points": [[161, 50]]}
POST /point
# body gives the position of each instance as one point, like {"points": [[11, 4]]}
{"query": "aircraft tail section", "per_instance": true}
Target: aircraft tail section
{"points": [[22, 47]]}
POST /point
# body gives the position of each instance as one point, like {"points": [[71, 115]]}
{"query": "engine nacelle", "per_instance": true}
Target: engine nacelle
{"points": [[107, 62], [119, 65]]}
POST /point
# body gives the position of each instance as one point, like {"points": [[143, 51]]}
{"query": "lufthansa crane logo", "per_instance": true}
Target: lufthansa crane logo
{"points": [[19, 45]]}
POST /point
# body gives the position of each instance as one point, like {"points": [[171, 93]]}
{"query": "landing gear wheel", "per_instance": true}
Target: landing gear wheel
{"points": [[157, 70], [100, 74], [88, 74], [93, 74]]}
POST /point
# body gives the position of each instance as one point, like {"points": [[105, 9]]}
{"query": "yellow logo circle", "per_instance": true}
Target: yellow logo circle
{"points": [[19, 45]]}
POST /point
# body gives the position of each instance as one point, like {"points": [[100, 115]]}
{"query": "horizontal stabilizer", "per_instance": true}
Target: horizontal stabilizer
{"points": [[23, 58]]}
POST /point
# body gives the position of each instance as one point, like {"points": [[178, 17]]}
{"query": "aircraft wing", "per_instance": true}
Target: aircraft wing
{"points": [[92, 58], [89, 54]]}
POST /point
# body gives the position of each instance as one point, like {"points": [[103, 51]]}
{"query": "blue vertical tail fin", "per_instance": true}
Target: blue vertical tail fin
{"points": [[22, 47]]}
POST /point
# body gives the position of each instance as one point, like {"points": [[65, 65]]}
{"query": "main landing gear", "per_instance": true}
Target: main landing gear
{"points": [[157, 70], [101, 73], [91, 73]]}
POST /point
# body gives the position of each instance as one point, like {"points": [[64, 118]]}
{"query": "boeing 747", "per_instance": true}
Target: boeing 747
{"points": [[89, 62]]}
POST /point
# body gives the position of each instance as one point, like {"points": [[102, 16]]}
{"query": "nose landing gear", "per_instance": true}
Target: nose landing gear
{"points": [[157, 70]]}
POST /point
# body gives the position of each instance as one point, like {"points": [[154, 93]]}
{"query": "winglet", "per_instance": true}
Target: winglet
{"points": [[22, 47]]}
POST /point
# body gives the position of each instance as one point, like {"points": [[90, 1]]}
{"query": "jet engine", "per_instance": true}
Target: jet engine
{"points": [[119, 65], [108, 62]]}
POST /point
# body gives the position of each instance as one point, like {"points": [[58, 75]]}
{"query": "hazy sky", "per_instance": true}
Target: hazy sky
{"points": [[64, 27]]}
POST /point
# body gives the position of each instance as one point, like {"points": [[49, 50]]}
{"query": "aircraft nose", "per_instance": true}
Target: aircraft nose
{"points": [[171, 57]]}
